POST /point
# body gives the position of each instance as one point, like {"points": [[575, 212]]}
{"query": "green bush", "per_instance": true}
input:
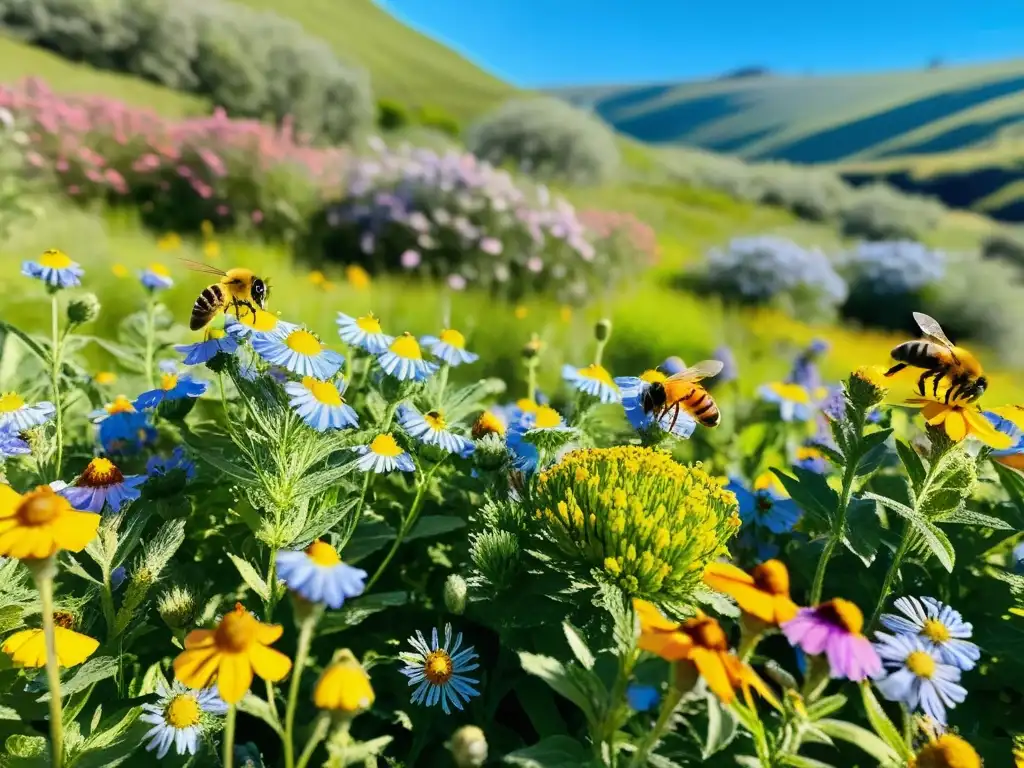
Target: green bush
{"points": [[230, 60], [436, 118], [391, 115], [164, 43], [1003, 246], [548, 138], [879, 212]]}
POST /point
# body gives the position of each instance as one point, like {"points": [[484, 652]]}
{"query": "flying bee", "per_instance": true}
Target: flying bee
{"points": [[681, 391], [237, 288], [940, 359]]}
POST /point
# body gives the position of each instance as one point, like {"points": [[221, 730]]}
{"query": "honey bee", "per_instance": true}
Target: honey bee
{"points": [[237, 288], [682, 392], [940, 359]]}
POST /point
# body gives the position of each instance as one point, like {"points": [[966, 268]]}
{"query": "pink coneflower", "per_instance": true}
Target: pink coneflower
{"points": [[834, 628], [410, 259]]}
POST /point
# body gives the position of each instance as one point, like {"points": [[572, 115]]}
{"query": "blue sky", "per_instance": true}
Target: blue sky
{"points": [[562, 42]]}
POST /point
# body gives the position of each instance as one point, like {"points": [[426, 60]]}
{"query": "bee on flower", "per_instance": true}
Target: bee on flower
{"points": [[634, 392], [257, 324], [431, 429], [364, 333], [12, 444], [321, 404], [56, 269], [18, 415], [404, 360], [177, 718], [449, 347], [593, 380], [101, 485], [383, 455]]}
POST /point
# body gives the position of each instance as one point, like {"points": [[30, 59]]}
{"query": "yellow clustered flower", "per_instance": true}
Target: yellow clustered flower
{"points": [[649, 522]]}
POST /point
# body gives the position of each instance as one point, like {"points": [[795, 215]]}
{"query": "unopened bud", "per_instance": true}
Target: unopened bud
{"points": [[177, 607], [532, 349], [497, 556], [455, 594], [468, 747], [867, 386], [603, 329], [491, 453], [83, 309]]}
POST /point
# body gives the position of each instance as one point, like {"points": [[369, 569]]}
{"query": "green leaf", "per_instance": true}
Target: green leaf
{"points": [[811, 492], [75, 567], [881, 723], [95, 669], [222, 463], [1013, 484], [325, 520], [33, 345], [938, 543], [578, 645], [357, 752], [625, 626], [554, 673], [11, 617], [861, 737], [913, 464], [874, 452], [257, 707], [358, 609], [370, 535], [552, 752], [318, 482], [250, 576], [538, 701], [966, 516], [826, 706], [435, 525], [863, 535], [722, 727], [799, 761]]}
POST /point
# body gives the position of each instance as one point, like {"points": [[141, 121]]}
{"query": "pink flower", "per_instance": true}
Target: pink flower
{"points": [[456, 282], [491, 245], [223, 210], [535, 264], [256, 216], [74, 189], [410, 259], [834, 628]]}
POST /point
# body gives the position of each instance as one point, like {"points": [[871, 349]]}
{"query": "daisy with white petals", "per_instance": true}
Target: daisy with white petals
{"points": [[17, 415], [177, 718], [363, 332], [383, 455], [593, 380], [432, 429], [940, 628], [320, 404], [450, 347], [300, 352], [404, 360]]}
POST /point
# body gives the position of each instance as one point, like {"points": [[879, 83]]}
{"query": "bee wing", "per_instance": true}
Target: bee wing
{"points": [[930, 327], [198, 266], [702, 370]]}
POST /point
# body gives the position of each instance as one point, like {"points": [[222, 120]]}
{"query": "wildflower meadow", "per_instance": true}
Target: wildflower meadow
{"points": [[269, 544]]}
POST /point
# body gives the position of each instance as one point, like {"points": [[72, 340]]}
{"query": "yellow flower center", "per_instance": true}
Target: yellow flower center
{"points": [[652, 376], [101, 472], [772, 577], [41, 507], [769, 481], [792, 392], [183, 711], [948, 751], [121, 404], [707, 633], [237, 630], [435, 420], [597, 373], [486, 424], [368, 323], [546, 418], [303, 342], [385, 445], [406, 346], [322, 553], [215, 333], [168, 381], [804, 452], [921, 664], [11, 401], [843, 613], [438, 667], [324, 391], [260, 320], [55, 260], [159, 269], [453, 338], [526, 405], [935, 631]]}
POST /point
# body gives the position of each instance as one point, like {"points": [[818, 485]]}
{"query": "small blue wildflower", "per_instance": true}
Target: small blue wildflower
{"points": [[172, 387], [439, 671], [117, 577], [673, 365], [300, 352], [156, 277], [102, 484], [642, 698], [17, 415], [404, 360], [55, 269], [940, 628], [204, 351], [767, 505], [794, 401], [432, 429], [11, 444], [383, 455], [525, 455], [177, 461], [449, 347], [592, 380], [320, 404], [917, 678], [318, 575], [363, 332]]}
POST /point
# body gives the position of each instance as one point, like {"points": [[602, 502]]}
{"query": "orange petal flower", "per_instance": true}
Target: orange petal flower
{"points": [[40, 523], [763, 593], [960, 420], [232, 652]]}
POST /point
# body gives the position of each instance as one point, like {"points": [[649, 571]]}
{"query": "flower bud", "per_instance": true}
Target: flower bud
{"points": [[344, 687], [497, 557], [83, 309], [176, 410], [491, 453], [468, 747], [455, 594], [603, 329], [177, 607], [867, 386], [532, 349]]}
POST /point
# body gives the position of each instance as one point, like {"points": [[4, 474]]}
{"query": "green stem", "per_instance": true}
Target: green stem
{"points": [[389, 416], [749, 641], [531, 382], [55, 356], [599, 352], [650, 741], [107, 601], [890, 575], [229, 738], [302, 651], [150, 340], [350, 528], [322, 724], [442, 381], [44, 583]]}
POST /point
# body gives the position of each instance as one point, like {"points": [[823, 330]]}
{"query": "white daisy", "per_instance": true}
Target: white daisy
{"points": [[177, 718]]}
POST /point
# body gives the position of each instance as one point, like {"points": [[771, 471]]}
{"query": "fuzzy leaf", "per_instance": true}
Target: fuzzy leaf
{"points": [[91, 672], [75, 567], [578, 645], [861, 737], [257, 707], [318, 482], [722, 727], [938, 543], [912, 463], [626, 626], [555, 674], [220, 462], [811, 492], [881, 723], [863, 535], [250, 576], [966, 516], [552, 752], [435, 525]]}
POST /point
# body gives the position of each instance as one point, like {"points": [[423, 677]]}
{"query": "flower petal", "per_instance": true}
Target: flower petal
{"points": [[268, 663], [234, 676]]}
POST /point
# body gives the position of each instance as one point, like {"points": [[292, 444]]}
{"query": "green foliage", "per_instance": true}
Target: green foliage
{"points": [[438, 119], [878, 212], [391, 115]]}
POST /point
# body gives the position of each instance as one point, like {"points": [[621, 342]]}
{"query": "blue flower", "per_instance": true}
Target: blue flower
{"points": [[156, 278], [633, 390], [593, 380], [642, 698], [318, 575], [794, 401], [55, 269], [1017, 558], [1013, 456], [939, 627], [300, 352], [159, 466], [102, 484], [121, 427], [917, 678], [11, 444], [450, 347], [404, 361], [432, 429], [204, 351], [117, 577], [439, 671], [767, 505], [811, 458], [172, 387], [525, 455], [384, 454], [673, 365], [363, 332], [833, 405], [805, 368], [320, 404], [17, 415], [884, 269]]}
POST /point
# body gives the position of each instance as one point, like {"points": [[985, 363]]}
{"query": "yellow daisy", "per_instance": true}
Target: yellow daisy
{"points": [[38, 524]]}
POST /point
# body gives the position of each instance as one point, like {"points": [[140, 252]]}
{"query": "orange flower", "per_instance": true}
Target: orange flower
{"points": [[238, 647], [763, 593], [699, 645]]}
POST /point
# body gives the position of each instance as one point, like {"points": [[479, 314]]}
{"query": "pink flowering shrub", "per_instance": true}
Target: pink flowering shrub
{"points": [[233, 173], [455, 217]]}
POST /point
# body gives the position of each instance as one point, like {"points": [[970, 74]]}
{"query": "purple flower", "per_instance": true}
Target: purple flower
{"points": [[410, 259], [491, 245], [673, 365], [834, 629]]}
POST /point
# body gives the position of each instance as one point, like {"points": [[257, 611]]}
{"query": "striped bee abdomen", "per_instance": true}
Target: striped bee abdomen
{"points": [[210, 301], [702, 407]]}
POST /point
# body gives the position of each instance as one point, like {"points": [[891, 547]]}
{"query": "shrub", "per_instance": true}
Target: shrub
{"points": [[231, 60], [811, 194], [453, 216], [548, 138], [391, 115], [773, 270], [164, 45], [878, 212], [1003, 246], [887, 280], [436, 118]]}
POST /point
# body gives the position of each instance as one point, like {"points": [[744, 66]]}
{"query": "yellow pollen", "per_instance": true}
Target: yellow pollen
{"points": [[105, 378], [546, 418], [215, 333], [435, 420], [236, 631], [921, 664], [486, 424], [526, 405], [261, 320], [844, 614], [597, 373], [55, 260], [322, 553], [453, 338], [121, 404], [438, 667], [368, 323], [935, 631], [385, 445], [11, 401], [100, 472], [168, 381], [948, 751], [652, 376], [41, 506], [406, 346], [183, 711], [324, 391], [303, 342], [159, 269]]}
